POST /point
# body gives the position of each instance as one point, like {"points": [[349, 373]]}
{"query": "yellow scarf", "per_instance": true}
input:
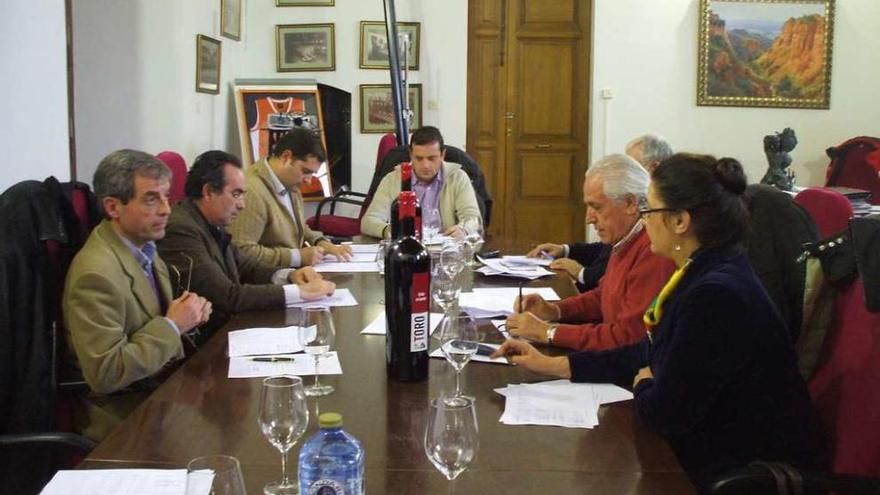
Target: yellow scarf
{"points": [[655, 309]]}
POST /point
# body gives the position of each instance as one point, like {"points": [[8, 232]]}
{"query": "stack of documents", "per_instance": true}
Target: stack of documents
{"points": [[515, 268], [498, 301], [558, 403], [256, 352], [341, 297], [125, 482]]}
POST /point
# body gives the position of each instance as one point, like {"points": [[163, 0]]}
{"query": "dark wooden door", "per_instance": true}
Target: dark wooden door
{"points": [[528, 87]]}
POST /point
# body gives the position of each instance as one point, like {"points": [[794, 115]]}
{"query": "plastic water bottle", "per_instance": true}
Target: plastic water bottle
{"points": [[332, 461]]}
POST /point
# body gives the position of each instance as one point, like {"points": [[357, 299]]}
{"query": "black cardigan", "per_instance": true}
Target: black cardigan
{"points": [[726, 388]]}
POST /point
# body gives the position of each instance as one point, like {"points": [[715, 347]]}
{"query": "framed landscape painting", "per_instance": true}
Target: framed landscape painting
{"points": [[765, 53], [377, 108], [374, 44], [207, 65], [305, 47]]}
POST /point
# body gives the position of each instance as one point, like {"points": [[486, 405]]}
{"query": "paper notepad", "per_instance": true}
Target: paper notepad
{"points": [[262, 341], [300, 364]]}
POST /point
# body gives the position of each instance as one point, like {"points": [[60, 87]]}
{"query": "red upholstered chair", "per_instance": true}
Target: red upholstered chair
{"points": [[830, 210], [178, 174], [856, 163], [342, 226]]}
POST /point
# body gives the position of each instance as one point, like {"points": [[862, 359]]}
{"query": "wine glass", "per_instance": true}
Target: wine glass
{"points": [[458, 342], [284, 417], [380, 255], [214, 474], [431, 224], [316, 335], [452, 436], [452, 258], [473, 236], [445, 291]]}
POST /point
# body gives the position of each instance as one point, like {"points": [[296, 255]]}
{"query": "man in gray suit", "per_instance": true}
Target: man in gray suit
{"points": [[123, 324], [231, 279]]}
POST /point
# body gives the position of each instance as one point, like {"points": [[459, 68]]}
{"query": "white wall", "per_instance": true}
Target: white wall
{"points": [[135, 69], [646, 52], [33, 64]]}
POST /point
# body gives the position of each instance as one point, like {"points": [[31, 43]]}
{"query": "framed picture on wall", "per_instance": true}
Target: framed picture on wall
{"points": [[207, 64], [305, 3], [765, 53], [374, 44], [305, 47], [230, 19], [377, 108], [266, 110]]}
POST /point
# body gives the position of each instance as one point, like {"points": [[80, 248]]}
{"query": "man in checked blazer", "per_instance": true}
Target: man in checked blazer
{"points": [[123, 325], [272, 228]]}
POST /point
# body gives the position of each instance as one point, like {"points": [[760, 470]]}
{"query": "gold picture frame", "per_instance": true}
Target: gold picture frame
{"points": [[747, 58], [305, 47], [208, 58], [377, 108], [230, 19], [374, 44]]}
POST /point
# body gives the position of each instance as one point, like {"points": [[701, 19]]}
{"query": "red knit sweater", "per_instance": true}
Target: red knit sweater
{"points": [[633, 278]]}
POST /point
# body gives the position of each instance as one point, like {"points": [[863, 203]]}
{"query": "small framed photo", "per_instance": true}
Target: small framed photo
{"points": [[305, 47], [765, 53], [305, 3], [377, 108], [230, 19], [374, 44], [207, 64]]}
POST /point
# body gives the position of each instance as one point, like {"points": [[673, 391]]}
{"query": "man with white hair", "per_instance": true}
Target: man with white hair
{"points": [[610, 315], [586, 261], [649, 150]]}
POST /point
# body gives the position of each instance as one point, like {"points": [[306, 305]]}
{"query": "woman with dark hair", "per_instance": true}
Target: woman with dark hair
{"points": [[717, 376]]}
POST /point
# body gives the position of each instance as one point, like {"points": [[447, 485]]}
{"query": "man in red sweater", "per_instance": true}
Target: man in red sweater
{"points": [[610, 315]]}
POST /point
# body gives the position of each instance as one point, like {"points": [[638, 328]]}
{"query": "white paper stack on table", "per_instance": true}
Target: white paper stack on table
{"points": [[124, 482], [341, 297], [258, 352], [516, 268], [558, 403], [486, 302], [377, 326]]}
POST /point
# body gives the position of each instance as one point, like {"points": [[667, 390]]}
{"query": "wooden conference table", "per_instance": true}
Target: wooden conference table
{"points": [[199, 411]]}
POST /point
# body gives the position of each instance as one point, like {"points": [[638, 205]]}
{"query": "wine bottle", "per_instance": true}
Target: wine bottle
{"points": [[406, 173], [407, 299]]}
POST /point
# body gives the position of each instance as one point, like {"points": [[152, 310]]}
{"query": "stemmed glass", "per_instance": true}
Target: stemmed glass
{"points": [[316, 335], [451, 258], [473, 236], [284, 417], [458, 342], [452, 436], [445, 291], [431, 221], [214, 474], [380, 255]]}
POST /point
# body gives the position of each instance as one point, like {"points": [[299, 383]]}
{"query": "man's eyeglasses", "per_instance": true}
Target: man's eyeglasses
{"points": [[648, 211]]}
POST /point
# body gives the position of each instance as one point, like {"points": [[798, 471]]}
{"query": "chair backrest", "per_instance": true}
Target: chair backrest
{"points": [[178, 173], [386, 144], [856, 163], [830, 210]]}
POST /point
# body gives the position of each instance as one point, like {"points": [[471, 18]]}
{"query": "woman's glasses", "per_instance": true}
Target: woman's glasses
{"points": [[647, 211]]}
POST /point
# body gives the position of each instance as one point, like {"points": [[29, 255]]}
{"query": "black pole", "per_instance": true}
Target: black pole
{"points": [[400, 122]]}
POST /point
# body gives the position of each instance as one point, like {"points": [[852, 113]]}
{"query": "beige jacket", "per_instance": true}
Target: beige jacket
{"points": [[265, 229], [457, 200]]}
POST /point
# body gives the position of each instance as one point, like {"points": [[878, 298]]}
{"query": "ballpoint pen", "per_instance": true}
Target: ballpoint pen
{"points": [[546, 255], [520, 298], [272, 359]]}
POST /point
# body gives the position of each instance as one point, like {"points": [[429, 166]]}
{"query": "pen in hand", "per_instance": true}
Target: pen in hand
{"points": [[520, 299], [272, 359]]}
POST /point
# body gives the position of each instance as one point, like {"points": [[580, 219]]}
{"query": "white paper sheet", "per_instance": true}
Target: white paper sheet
{"points": [[551, 406], [346, 267], [302, 364], [498, 301], [377, 326], [494, 269], [438, 353], [365, 248], [342, 297], [255, 341], [525, 260], [117, 482], [605, 393]]}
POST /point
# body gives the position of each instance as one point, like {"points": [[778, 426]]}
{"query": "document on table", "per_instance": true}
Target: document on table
{"points": [[498, 301], [254, 341], [118, 482], [365, 248], [500, 267], [347, 267], [288, 364], [558, 403], [377, 326], [438, 353], [342, 297], [525, 261]]}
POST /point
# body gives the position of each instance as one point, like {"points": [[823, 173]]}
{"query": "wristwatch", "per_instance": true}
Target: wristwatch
{"points": [[551, 332]]}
